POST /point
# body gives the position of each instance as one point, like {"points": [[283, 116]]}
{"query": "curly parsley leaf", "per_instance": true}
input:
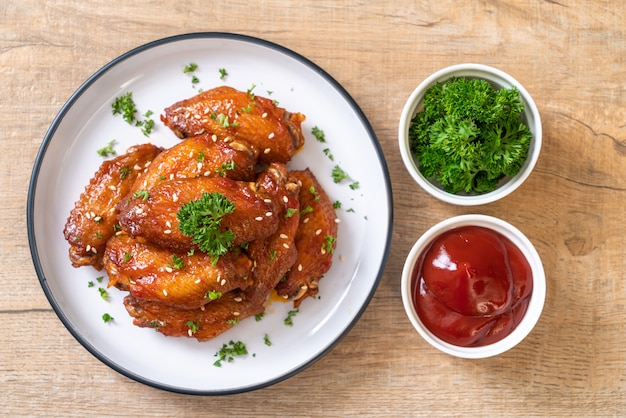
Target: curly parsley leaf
{"points": [[201, 220]]}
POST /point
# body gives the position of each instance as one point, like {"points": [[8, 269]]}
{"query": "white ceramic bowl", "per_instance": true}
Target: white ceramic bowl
{"points": [[498, 79], [535, 306]]}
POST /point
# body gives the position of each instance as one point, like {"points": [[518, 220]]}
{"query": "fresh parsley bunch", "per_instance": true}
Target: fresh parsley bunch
{"points": [[469, 135]]}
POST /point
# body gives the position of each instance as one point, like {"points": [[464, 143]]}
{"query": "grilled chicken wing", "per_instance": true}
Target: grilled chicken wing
{"points": [[272, 257], [92, 220], [201, 155], [229, 113], [157, 274], [315, 240], [154, 217]]}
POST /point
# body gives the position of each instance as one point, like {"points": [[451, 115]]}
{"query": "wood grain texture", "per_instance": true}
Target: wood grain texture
{"points": [[570, 55]]}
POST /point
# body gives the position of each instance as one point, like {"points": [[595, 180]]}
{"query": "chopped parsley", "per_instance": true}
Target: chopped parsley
{"points": [[259, 316], [127, 257], [177, 263], [193, 327], [142, 194], [90, 284], [201, 220], [229, 166], [266, 339], [229, 351], [201, 156], [318, 134], [125, 106], [213, 295], [290, 212], [233, 321], [223, 73], [107, 149], [190, 68], [107, 318], [289, 320], [327, 247], [103, 293], [330, 156], [338, 174], [124, 172]]}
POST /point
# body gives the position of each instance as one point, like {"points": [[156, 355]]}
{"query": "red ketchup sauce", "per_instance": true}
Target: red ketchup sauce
{"points": [[471, 286]]}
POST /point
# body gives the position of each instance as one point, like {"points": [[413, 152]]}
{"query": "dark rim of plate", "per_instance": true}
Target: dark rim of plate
{"points": [[30, 207]]}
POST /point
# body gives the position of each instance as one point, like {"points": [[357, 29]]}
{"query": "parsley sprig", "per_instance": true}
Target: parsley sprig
{"points": [[201, 220]]}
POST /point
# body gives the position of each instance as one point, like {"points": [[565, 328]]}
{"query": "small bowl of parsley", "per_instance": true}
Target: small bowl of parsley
{"points": [[470, 134]]}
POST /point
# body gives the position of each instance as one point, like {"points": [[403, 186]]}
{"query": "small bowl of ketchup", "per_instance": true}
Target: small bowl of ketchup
{"points": [[473, 286]]}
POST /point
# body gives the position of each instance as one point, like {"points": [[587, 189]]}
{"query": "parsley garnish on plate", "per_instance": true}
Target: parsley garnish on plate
{"points": [[229, 351]]}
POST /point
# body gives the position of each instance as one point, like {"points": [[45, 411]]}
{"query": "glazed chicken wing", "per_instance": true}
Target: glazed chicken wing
{"points": [[182, 280], [154, 216], [92, 220], [315, 240], [272, 257], [230, 113], [201, 155]]}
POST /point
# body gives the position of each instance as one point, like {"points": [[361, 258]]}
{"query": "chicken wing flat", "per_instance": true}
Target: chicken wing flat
{"points": [[181, 280], [230, 113], [315, 240], [201, 155], [272, 257], [92, 221], [203, 324], [153, 216]]}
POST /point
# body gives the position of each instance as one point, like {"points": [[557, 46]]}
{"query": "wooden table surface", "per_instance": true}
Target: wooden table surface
{"points": [[570, 55]]}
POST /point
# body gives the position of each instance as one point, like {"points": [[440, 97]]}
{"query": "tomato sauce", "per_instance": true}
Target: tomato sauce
{"points": [[472, 286]]}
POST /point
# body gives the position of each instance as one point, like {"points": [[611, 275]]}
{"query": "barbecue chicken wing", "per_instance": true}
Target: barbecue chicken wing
{"points": [[182, 280], [229, 113], [201, 155], [92, 221], [154, 216], [272, 257], [315, 240]]}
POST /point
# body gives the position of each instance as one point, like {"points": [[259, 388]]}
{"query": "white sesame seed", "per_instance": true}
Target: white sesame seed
{"points": [[305, 220], [88, 248], [112, 187], [285, 245], [172, 176], [199, 166], [197, 281], [267, 200], [187, 114], [285, 199], [145, 184], [118, 233], [264, 115], [270, 136], [207, 173], [97, 218], [337, 220], [223, 282], [214, 137], [136, 167], [168, 224], [175, 118], [139, 211], [189, 332], [268, 214], [169, 270], [266, 151], [236, 313], [319, 231], [93, 215], [164, 292], [146, 165], [238, 299], [207, 110], [323, 251], [167, 231], [284, 236], [175, 197], [258, 218], [299, 267]]}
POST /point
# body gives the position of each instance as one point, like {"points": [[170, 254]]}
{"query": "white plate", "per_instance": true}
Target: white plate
{"points": [[154, 74]]}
